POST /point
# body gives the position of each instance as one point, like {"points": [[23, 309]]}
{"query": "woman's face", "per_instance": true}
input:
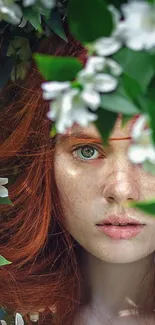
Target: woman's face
{"points": [[94, 182]]}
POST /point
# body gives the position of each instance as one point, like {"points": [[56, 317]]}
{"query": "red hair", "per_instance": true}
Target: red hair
{"points": [[45, 268]]}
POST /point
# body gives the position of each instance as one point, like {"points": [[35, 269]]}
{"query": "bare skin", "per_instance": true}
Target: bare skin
{"points": [[91, 190]]}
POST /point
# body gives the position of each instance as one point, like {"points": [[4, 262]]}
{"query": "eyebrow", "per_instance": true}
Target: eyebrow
{"points": [[81, 135]]}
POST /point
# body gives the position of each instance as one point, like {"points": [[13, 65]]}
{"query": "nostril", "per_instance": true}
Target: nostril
{"points": [[110, 199]]}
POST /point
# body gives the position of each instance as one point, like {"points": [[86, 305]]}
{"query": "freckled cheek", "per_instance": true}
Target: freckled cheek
{"points": [[147, 185], [75, 184]]}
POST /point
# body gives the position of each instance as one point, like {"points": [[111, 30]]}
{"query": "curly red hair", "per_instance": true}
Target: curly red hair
{"points": [[45, 270]]}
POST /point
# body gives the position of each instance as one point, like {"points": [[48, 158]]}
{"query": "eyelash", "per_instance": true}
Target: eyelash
{"points": [[75, 148]]}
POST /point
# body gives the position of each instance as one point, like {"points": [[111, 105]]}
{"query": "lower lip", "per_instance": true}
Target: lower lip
{"points": [[121, 232]]}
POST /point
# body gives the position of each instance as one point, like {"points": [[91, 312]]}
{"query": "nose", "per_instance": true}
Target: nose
{"points": [[121, 187]]}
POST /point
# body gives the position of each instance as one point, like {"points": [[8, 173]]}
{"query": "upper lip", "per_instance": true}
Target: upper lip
{"points": [[116, 219]]}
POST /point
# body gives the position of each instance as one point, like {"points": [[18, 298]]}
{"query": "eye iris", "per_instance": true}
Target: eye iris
{"points": [[87, 152]]}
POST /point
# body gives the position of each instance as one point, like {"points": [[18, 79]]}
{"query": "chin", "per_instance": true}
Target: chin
{"points": [[119, 256]]}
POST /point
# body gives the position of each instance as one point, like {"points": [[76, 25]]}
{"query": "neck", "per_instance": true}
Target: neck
{"points": [[115, 287]]}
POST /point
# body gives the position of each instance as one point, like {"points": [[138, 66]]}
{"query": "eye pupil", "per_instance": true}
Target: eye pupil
{"points": [[87, 152]]}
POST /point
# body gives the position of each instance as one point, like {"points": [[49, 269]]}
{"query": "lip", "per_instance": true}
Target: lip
{"points": [[119, 219], [110, 228]]}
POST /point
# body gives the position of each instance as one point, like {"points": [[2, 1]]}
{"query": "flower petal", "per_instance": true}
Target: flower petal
{"points": [[54, 110], [138, 126], [3, 191], [91, 98], [106, 46], [53, 89], [86, 76], [95, 63], [135, 42], [83, 117], [115, 68], [115, 13], [105, 82], [3, 181], [19, 319], [137, 154], [66, 106], [139, 25]]}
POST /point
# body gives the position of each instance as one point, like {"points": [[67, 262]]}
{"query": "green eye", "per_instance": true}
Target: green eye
{"points": [[86, 152]]}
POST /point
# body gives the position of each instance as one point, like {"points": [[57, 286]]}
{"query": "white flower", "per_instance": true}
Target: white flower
{"points": [[142, 151], [71, 107], [69, 104], [3, 190], [19, 319], [10, 12], [99, 64], [99, 82], [138, 27], [52, 89], [105, 46], [46, 3]]}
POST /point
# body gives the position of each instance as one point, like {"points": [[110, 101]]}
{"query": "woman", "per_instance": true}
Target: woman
{"points": [[64, 263]]}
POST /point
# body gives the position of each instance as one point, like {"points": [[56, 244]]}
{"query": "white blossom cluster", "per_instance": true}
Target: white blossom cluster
{"points": [[11, 11], [70, 105], [136, 30]]}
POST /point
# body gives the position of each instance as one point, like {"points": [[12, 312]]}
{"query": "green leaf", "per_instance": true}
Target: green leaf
{"points": [[146, 206], [105, 123], [3, 261], [54, 22], [151, 1], [34, 17], [89, 19], [143, 102], [53, 131], [132, 87], [151, 113], [116, 102], [125, 119], [137, 64], [5, 200], [57, 68], [151, 88], [42, 10]]}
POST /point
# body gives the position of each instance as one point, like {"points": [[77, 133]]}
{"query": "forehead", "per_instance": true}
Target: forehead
{"points": [[119, 131]]}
